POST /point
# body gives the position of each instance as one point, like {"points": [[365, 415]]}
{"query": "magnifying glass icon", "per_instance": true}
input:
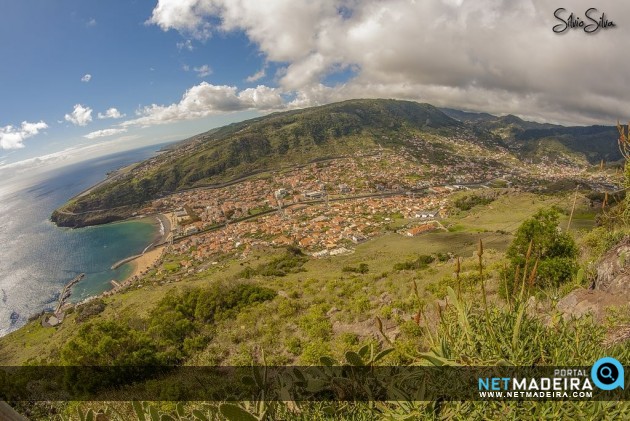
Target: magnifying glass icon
{"points": [[606, 373]]}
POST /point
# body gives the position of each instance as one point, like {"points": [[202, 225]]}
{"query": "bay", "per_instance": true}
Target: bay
{"points": [[38, 258]]}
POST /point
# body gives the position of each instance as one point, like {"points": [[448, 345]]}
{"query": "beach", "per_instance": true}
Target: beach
{"points": [[143, 263], [151, 254], [165, 227], [40, 259], [148, 259]]}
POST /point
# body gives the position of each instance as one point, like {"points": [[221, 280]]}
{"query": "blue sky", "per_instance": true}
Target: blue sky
{"points": [[52, 45], [88, 76]]}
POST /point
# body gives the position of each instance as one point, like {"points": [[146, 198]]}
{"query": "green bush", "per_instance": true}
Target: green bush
{"points": [[362, 268], [315, 323], [291, 262], [468, 202], [89, 309], [555, 251], [294, 345], [183, 322], [109, 343], [421, 262]]}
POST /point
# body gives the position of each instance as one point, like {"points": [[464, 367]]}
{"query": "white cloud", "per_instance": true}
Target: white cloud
{"points": [[258, 75], [104, 133], [80, 116], [86, 78], [203, 71], [186, 15], [91, 22], [185, 45], [445, 52], [205, 99], [110, 113], [13, 137]]}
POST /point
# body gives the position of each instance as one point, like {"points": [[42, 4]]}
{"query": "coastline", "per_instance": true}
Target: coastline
{"points": [[165, 227], [149, 257], [142, 264]]}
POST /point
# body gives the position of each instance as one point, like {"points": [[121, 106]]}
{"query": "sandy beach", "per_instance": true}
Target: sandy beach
{"points": [[165, 227], [144, 262], [152, 254]]}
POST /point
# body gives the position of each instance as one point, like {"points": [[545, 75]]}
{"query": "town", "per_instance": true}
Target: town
{"points": [[327, 207]]}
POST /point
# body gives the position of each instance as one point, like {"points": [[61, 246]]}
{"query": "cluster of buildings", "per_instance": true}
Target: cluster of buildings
{"points": [[320, 228], [326, 207]]}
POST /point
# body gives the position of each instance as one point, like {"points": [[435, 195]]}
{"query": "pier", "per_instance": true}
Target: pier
{"points": [[67, 291], [125, 260], [131, 258]]}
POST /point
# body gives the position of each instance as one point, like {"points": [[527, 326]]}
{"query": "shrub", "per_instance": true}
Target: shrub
{"points": [[554, 250], [421, 262], [362, 268], [315, 323], [291, 262], [294, 345], [468, 202], [108, 343], [183, 322], [89, 309]]}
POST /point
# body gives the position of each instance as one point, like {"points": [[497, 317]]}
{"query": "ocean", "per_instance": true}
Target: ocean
{"points": [[38, 258]]}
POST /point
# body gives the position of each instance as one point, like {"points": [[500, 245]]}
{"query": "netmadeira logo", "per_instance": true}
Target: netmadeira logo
{"points": [[607, 374]]}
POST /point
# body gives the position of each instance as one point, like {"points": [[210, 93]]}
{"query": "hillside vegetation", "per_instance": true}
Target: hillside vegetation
{"points": [[402, 304], [292, 138], [281, 139], [482, 289]]}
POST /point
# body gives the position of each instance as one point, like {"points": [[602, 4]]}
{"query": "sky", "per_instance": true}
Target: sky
{"points": [[86, 77]]}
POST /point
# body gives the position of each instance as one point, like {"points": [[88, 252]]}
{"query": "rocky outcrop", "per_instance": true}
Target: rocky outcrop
{"points": [[581, 302], [611, 287], [85, 219], [613, 270]]}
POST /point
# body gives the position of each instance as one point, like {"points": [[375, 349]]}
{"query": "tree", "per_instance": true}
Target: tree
{"points": [[555, 251]]}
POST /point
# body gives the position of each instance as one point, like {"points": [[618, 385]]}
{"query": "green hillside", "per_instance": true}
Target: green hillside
{"points": [[280, 139], [535, 141], [297, 137]]}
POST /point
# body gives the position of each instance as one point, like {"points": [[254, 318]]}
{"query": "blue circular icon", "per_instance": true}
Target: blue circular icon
{"points": [[608, 374]]}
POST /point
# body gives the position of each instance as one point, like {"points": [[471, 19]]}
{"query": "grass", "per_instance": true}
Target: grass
{"points": [[507, 211], [323, 283], [328, 311], [465, 333]]}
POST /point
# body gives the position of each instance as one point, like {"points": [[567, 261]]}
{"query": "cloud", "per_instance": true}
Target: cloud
{"points": [[203, 71], [104, 133], [185, 45], [86, 78], [185, 15], [499, 56], [205, 99], [110, 113], [13, 137], [80, 116], [258, 75], [91, 22]]}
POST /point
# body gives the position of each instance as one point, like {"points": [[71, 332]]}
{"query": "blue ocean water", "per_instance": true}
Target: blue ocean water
{"points": [[39, 258]]}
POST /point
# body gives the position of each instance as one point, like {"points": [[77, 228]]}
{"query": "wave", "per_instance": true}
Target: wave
{"points": [[161, 226]]}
